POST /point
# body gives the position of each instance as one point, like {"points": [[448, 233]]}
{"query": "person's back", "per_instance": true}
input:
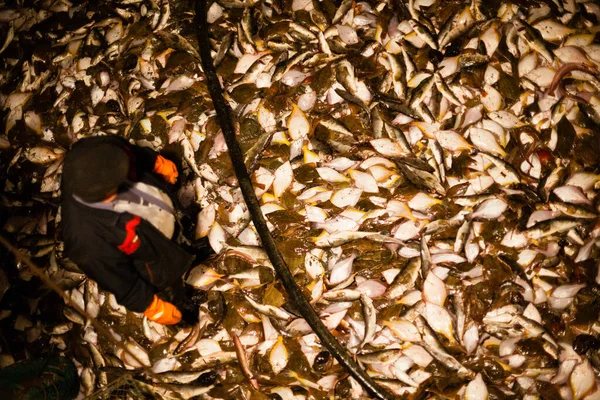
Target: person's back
{"points": [[118, 221]]}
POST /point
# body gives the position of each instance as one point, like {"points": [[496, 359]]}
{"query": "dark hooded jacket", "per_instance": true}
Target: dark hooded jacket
{"points": [[125, 254]]}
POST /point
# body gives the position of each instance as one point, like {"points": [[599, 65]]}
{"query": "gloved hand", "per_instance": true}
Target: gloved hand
{"points": [[162, 312], [166, 168]]}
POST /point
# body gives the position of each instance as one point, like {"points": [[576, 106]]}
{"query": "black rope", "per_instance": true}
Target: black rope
{"points": [[235, 153]]}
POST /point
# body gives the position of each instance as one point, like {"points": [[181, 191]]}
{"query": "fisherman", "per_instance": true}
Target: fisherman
{"points": [[119, 226]]}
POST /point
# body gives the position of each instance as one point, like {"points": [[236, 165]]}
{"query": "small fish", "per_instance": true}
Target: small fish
{"points": [[405, 280], [422, 90], [171, 390], [425, 256], [507, 171], [547, 228], [404, 330], [224, 48], [244, 362], [189, 341], [9, 37], [339, 238], [422, 178], [342, 295], [370, 318], [533, 38], [461, 236], [278, 357], [424, 34], [188, 154], [476, 389], [270, 311], [431, 344], [573, 210], [383, 356], [183, 377]]}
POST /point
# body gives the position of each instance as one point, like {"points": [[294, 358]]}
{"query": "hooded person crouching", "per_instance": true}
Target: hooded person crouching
{"points": [[118, 222]]}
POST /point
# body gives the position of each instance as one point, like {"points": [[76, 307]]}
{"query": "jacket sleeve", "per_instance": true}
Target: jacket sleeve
{"points": [[116, 275], [130, 290], [158, 261], [143, 157]]}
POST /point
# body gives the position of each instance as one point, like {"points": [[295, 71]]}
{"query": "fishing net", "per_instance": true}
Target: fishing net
{"points": [[122, 388], [44, 379]]}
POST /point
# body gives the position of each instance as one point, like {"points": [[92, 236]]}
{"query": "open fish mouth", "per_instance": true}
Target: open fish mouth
{"points": [[429, 173]]}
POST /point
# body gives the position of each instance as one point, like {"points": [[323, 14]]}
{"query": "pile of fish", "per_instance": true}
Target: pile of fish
{"points": [[430, 171]]}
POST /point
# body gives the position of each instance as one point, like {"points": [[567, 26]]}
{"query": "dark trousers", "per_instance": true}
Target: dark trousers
{"points": [[186, 298]]}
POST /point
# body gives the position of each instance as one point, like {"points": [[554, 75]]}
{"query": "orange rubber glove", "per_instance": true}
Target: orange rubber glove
{"points": [[162, 312], [166, 168]]}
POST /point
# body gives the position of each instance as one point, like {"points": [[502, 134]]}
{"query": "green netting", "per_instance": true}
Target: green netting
{"points": [[43, 379], [122, 388]]}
